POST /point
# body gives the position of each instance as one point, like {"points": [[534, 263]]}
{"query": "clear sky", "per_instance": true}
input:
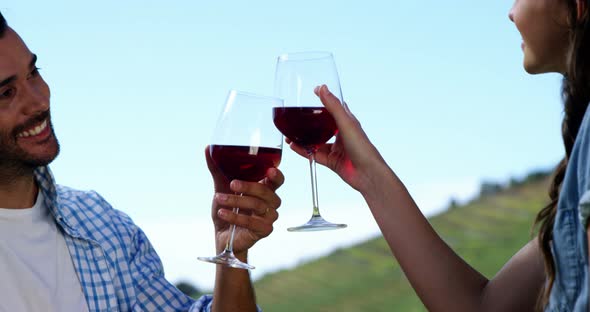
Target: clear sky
{"points": [[137, 86]]}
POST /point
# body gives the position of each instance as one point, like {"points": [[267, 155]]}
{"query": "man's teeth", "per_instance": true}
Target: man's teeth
{"points": [[33, 131]]}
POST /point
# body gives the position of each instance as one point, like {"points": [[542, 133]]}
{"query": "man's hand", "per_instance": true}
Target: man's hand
{"points": [[258, 204]]}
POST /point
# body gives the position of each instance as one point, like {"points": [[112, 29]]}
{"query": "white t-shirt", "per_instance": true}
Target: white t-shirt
{"points": [[36, 270]]}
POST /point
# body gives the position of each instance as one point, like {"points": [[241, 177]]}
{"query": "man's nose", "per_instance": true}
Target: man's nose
{"points": [[511, 12], [36, 99]]}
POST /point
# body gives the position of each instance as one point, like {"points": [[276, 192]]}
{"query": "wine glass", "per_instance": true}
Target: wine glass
{"points": [[303, 118], [245, 144]]}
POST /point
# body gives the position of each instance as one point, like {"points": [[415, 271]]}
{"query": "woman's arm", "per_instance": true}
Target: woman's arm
{"points": [[442, 280]]}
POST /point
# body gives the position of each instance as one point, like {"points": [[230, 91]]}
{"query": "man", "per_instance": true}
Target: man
{"points": [[68, 250]]}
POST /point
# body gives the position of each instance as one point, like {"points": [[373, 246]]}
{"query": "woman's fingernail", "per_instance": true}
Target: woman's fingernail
{"points": [[222, 212], [316, 89]]}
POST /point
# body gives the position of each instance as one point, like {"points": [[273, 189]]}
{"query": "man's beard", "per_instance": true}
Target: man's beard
{"points": [[17, 160]]}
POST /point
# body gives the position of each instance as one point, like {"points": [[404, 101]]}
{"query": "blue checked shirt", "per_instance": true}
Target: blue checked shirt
{"points": [[117, 266]]}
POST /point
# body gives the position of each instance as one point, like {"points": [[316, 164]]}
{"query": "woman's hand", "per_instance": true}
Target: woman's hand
{"points": [[258, 205], [352, 156]]}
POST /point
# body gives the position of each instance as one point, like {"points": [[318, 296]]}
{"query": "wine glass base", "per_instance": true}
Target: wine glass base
{"points": [[316, 224], [227, 258]]}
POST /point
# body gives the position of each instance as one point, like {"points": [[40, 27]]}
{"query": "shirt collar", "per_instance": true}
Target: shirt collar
{"points": [[48, 188]]}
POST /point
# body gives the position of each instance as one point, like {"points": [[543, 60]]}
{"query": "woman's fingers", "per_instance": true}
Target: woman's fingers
{"points": [[349, 128], [321, 154], [298, 149], [333, 105], [344, 118]]}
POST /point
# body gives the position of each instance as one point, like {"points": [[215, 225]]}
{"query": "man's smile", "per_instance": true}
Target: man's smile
{"points": [[35, 130]]}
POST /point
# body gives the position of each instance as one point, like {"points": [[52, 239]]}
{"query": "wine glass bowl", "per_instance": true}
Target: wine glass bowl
{"points": [[248, 163], [303, 119], [306, 126]]}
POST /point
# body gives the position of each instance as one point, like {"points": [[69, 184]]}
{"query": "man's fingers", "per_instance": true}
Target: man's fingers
{"points": [[274, 178], [210, 164], [219, 180], [261, 226], [250, 203]]}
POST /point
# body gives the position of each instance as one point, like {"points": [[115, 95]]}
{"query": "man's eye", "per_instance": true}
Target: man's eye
{"points": [[34, 72], [6, 94]]}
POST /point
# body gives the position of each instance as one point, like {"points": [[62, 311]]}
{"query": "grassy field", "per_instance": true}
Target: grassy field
{"points": [[485, 232]]}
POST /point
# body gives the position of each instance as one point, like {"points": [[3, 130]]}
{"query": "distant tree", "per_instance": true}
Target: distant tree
{"points": [[453, 203], [489, 188], [514, 182], [537, 175], [188, 289]]}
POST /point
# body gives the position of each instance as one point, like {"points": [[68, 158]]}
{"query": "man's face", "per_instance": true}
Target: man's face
{"points": [[27, 139]]}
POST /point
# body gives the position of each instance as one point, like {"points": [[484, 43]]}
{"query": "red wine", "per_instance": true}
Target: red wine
{"points": [[306, 126], [248, 163]]}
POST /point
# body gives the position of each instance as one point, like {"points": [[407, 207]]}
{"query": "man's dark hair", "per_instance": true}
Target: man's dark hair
{"points": [[2, 25]]}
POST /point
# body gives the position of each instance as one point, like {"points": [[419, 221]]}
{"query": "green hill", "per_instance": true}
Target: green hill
{"points": [[486, 232]]}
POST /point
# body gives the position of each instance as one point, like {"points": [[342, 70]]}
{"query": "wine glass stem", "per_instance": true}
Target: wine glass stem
{"points": [[229, 247], [314, 185]]}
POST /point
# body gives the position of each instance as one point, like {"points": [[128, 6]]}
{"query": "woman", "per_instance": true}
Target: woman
{"points": [[555, 39]]}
